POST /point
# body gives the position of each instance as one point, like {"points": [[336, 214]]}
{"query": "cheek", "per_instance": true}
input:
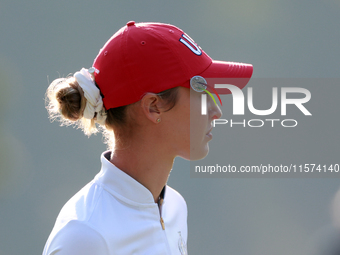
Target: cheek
{"points": [[199, 147], [179, 134], [198, 138], [199, 125], [198, 130], [198, 122]]}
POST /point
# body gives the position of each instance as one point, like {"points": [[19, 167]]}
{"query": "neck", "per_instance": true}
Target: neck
{"points": [[146, 161]]}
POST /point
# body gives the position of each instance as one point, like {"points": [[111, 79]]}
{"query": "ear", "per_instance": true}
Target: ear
{"points": [[151, 105]]}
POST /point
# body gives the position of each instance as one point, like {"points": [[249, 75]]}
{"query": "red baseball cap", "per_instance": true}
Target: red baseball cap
{"points": [[153, 57]]}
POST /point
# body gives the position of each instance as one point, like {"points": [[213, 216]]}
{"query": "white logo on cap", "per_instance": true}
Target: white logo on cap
{"points": [[187, 41]]}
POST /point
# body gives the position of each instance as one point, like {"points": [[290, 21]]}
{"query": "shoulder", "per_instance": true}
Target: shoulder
{"points": [[73, 232], [82, 205], [75, 238]]}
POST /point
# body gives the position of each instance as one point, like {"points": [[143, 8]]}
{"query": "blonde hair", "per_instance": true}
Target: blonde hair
{"points": [[65, 102]]}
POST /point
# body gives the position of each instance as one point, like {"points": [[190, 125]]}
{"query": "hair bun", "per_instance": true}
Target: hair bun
{"points": [[66, 98], [69, 99], [65, 101]]}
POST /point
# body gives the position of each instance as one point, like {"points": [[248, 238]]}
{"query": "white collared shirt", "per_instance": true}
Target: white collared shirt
{"points": [[115, 214]]}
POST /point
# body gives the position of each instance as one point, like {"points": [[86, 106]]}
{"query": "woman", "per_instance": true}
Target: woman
{"points": [[138, 91]]}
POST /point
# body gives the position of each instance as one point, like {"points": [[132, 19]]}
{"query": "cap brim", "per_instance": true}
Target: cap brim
{"points": [[221, 72]]}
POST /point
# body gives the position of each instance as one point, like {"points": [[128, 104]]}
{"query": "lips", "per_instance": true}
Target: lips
{"points": [[209, 131]]}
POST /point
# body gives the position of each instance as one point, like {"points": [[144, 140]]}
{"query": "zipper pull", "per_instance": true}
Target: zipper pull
{"points": [[162, 223]]}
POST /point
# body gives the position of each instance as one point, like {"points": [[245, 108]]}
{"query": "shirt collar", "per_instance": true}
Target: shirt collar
{"points": [[121, 185]]}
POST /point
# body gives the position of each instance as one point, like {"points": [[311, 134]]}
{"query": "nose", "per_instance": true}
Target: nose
{"points": [[215, 111], [218, 113]]}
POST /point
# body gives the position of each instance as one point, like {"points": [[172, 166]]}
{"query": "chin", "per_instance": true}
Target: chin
{"points": [[199, 154]]}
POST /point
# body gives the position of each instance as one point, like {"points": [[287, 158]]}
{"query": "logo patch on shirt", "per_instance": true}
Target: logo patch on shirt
{"points": [[182, 246]]}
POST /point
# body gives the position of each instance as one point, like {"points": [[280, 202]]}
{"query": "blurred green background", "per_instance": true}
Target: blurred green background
{"points": [[43, 165]]}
